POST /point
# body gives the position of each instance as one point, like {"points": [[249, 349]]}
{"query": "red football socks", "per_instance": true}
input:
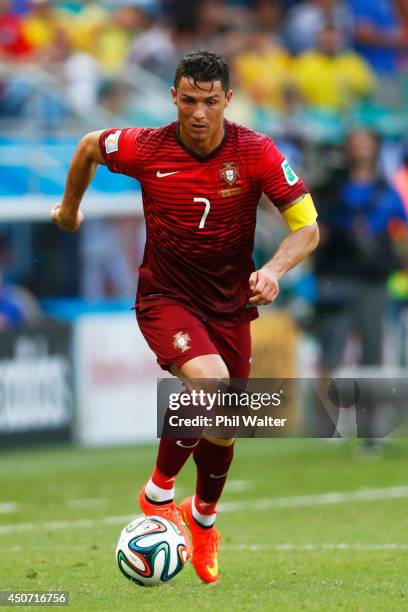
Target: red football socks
{"points": [[173, 454], [163, 481], [213, 462], [171, 457]]}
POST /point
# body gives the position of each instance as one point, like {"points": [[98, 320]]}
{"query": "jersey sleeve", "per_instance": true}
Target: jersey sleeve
{"points": [[121, 151], [277, 179]]}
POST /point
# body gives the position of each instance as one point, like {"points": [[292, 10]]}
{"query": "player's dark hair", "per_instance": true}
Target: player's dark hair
{"points": [[203, 66]]}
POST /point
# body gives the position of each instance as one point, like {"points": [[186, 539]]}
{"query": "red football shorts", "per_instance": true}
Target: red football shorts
{"points": [[176, 335]]}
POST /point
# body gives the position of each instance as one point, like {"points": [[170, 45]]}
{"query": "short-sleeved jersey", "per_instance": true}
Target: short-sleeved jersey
{"points": [[201, 213]]}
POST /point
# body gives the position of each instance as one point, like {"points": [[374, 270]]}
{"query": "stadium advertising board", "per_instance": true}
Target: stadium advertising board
{"points": [[36, 388], [116, 377]]}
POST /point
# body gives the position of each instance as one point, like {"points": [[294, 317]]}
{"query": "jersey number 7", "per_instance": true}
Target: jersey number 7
{"points": [[206, 210]]}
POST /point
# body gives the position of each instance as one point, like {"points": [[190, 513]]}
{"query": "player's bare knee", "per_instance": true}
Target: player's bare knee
{"points": [[211, 367]]}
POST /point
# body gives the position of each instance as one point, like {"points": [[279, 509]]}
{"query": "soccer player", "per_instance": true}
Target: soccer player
{"points": [[201, 178]]}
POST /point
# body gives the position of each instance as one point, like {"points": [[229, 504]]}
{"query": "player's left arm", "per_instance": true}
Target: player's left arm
{"points": [[300, 216], [290, 195]]}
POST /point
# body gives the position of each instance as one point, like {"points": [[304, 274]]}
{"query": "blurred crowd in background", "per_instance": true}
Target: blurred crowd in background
{"points": [[285, 54], [327, 79]]}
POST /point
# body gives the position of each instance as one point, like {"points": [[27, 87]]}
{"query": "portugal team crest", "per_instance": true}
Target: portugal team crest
{"points": [[181, 340], [229, 173]]}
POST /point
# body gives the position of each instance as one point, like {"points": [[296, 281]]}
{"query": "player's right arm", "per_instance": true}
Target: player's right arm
{"points": [[67, 215]]}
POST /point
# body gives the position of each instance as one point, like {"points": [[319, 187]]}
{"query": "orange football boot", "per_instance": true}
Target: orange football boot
{"points": [[168, 511], [205, 544]]}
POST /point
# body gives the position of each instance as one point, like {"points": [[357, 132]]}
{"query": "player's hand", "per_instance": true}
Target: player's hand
{"points": [[68, 224], [264, 286]]}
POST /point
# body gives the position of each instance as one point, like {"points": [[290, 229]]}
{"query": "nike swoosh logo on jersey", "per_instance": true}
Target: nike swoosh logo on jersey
{"points": [[163, 174]]}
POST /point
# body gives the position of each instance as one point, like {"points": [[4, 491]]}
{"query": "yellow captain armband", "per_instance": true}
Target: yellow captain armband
{"points": [[301, 214]]}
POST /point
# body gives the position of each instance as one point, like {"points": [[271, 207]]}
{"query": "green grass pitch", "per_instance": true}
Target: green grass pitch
{"points": [[287, 544]]}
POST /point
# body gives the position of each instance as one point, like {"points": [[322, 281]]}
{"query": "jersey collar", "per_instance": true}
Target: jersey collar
{"points": [[212, 153]]}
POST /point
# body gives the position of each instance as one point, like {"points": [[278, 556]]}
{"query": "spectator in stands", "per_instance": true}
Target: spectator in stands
{"points": [[378, 34], [114, 96], [10, 312], [402, 10], [42, 22], [399, 281], [160, 47], [263, 69], [13, 42], [268, 15], [306, 20], [214, 22], [356, 255], [401, 177], [108, 35], [331, 76], [87, 24], [78, 73], [17, 304], [106, 270], [72, 7], [113, 43], [20, 7]]}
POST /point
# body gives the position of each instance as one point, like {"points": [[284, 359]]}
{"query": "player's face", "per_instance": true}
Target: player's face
{"points": [[201, 109]]}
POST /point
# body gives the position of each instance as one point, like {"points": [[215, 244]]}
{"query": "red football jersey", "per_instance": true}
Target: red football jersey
{"points": [[201, 213]]}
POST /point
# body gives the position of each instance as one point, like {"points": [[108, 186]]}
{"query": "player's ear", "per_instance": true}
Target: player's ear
{"points": [[228, 97], [173, 92]]}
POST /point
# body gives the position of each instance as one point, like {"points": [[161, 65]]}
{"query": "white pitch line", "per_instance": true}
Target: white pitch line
{"points": [[319, 547], [55, 525], [237, 486], [87, 502], [6, 507], [297, 501], [281, 547], [276, 547]]}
